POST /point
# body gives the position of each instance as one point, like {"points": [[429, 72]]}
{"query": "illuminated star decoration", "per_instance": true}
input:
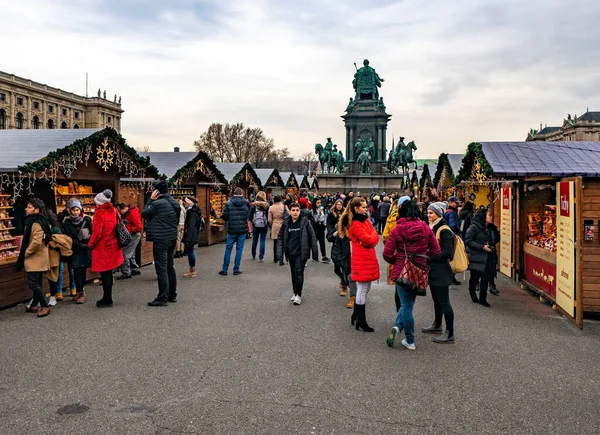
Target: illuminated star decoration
{"points": [[104, 155]]}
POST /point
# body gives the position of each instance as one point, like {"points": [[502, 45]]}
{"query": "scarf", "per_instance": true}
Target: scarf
{"points": [[437, 221], [29, 221], [359, 217], [76, 220]]}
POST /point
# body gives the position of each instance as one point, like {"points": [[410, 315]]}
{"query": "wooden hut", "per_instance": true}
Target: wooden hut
{"points": [[447, 168]]}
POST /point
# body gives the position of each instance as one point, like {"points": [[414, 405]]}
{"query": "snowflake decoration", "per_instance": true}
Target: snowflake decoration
{"points": [[104, 155]]}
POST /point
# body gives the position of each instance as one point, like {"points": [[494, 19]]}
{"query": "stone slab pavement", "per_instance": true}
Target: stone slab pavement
{"points": [[234, 356]]}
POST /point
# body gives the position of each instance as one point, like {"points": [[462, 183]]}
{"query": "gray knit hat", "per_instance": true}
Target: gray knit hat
{"points": [[438, 208], [103, 197], [72, 203]]}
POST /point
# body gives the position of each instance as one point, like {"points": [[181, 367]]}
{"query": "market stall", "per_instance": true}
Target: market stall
{"points": [[315, 185], [272, 183], [63, 164], [550, 212], [292, 186], [447, 168]]}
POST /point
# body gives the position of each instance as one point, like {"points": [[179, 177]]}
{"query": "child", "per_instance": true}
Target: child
{"points": [[296, 240]]}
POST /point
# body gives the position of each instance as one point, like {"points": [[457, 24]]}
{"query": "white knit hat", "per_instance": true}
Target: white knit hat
{"points": [[103, 197]]}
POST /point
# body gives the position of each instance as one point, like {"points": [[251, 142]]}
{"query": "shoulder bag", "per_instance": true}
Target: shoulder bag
{"points": [[414, 276]]}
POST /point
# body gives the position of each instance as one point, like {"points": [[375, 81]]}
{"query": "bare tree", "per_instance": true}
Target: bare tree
{"points": [[213, 143], [143, 149]]}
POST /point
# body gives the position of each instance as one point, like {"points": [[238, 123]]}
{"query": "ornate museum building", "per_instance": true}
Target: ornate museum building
{"points": [[25, 104], [583, 128]]}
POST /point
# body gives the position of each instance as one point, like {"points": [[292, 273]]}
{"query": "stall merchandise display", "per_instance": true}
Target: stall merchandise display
{"points": [[217, 202], [85, 194], [8, 250], [180, 192], [541, 228]]}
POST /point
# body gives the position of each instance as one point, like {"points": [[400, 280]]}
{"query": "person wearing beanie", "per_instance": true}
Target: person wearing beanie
{"points": [[235, 214], [440, 275], [78, 227], [161, 214], [478, 249], [133, 222], [106, 252]]}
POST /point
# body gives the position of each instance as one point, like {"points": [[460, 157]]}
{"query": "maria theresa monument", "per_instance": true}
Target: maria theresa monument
{"points": [[366, 163]]}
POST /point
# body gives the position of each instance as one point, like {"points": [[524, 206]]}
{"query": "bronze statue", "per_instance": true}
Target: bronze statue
{"points": [[105, 95], [365, 83], [351, 105], [381, 106], [99, 93]]}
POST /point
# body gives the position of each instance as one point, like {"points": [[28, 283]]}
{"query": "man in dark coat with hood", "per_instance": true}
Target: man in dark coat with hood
{"points": [[235, 214], [162, 217]]}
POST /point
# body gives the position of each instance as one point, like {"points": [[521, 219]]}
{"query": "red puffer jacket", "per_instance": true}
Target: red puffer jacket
{"points": [[419, 239], [134, 220], [364, 238], [106, 253]]}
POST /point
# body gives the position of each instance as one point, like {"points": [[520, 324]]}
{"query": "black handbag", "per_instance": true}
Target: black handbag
{"points": [[123, 235]]}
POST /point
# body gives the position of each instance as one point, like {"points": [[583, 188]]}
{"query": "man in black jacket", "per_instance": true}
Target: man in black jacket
{"points": [[235, 214], [161, 214]]}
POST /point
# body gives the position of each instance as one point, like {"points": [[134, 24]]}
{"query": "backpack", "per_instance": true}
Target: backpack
{"points": [[260, 219], [460, 261]]}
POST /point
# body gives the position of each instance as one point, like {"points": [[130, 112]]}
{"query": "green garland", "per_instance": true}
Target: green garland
{"points": [[292, 182], [474, 150], [304, 184], [414, 179], [443, 163], [240, 175], [192, 164], [81, 144], [425, 178], [315, 184]]}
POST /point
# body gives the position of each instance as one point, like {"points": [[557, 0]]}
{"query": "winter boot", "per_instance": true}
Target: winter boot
{"points": [[353, 316], [351, 302], [361, 318], [445, 338], [191, 273], [433, 329], [474, 297], [344, 291], [177, 254], [80, 298]]}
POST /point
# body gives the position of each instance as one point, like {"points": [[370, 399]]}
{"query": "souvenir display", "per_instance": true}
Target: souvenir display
{"points": [[8, 251], [541, 228], [62, 194]]}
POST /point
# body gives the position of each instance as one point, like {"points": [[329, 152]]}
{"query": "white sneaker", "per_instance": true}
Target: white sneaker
{"points": [[297, 300], [293, 297], [408, 346], [30, 303], [52, 301]]}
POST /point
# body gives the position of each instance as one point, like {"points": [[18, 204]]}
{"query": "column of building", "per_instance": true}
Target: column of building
{"points": [[11, 115]]}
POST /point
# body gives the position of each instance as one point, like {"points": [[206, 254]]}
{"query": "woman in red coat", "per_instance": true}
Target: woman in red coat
{"points": [[106, 253], [356, 225]]}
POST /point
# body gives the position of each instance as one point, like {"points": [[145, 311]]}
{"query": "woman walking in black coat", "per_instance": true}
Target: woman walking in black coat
{"points": [[191, 233], [440, 275], [493, 240], [476, 241]]}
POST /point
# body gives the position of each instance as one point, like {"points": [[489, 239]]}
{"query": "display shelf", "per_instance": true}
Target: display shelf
{"points": [[5, 208], [5, 219], [6, 248], [3, 195], [8, 240], [74, 194]]}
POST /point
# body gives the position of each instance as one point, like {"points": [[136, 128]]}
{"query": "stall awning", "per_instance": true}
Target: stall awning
{"points": [[556, 159], [169, 162], [18, 147]]}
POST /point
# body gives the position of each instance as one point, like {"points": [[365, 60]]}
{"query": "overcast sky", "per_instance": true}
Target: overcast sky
{"points": [[455, 71]]}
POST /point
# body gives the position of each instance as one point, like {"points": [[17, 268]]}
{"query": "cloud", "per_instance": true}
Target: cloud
{"points": [[485, 70]]}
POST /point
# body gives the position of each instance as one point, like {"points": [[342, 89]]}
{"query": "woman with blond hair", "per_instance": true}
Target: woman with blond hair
{"points": [[259, 217], [355, 224]]}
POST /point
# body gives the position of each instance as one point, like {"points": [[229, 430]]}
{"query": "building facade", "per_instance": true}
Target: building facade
{"points": [[25, 104], [583, 128]]}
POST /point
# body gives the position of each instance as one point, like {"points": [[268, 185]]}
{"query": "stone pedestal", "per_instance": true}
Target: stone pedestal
{"points": [[359, 183]]}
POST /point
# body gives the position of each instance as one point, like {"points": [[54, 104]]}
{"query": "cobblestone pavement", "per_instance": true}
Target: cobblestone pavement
{"points": [[234, 356]]}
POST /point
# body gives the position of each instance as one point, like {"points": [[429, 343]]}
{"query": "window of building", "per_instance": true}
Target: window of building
{"points": [[2, 119], [19, 121], [50, 108], [19, 101], [76, 115], [35, 123], [109, 119], [63, 125], [36, 105], [50, 124], [76, 126], [2, 97], [64, 112]]}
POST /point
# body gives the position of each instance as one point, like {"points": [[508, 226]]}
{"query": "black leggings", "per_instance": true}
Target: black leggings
{"points": [[339, 271], [442, 307], [79, 275], [53, 287], [107, 284], [476, 276], [320, 235]]}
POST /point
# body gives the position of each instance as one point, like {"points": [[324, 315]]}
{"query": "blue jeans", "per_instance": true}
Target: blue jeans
{"points": [[191, 255], [256, 232], [405, 319], [59, 283], [239, 240]]}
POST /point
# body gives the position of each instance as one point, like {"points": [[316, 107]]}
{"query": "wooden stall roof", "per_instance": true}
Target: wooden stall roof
{"points": [[29, 151], [292, 181], [530, 159], [270, 177], [305, 183], [315, 184], [451, 162], [229, 170], [174, 165], [240, 175], [285, 176]]}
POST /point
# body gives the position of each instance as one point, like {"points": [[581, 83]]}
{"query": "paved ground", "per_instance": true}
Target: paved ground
{"points": [[234, 356]]}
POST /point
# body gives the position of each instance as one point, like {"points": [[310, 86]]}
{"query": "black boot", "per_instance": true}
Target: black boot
{"points": [[433, 329], [353, 317], [445, 338], [177, 254], [106, 300], [361, 318], [474, 297]]}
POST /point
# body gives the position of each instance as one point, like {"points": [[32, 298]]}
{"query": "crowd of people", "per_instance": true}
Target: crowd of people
{"points": [[416, 237]]}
